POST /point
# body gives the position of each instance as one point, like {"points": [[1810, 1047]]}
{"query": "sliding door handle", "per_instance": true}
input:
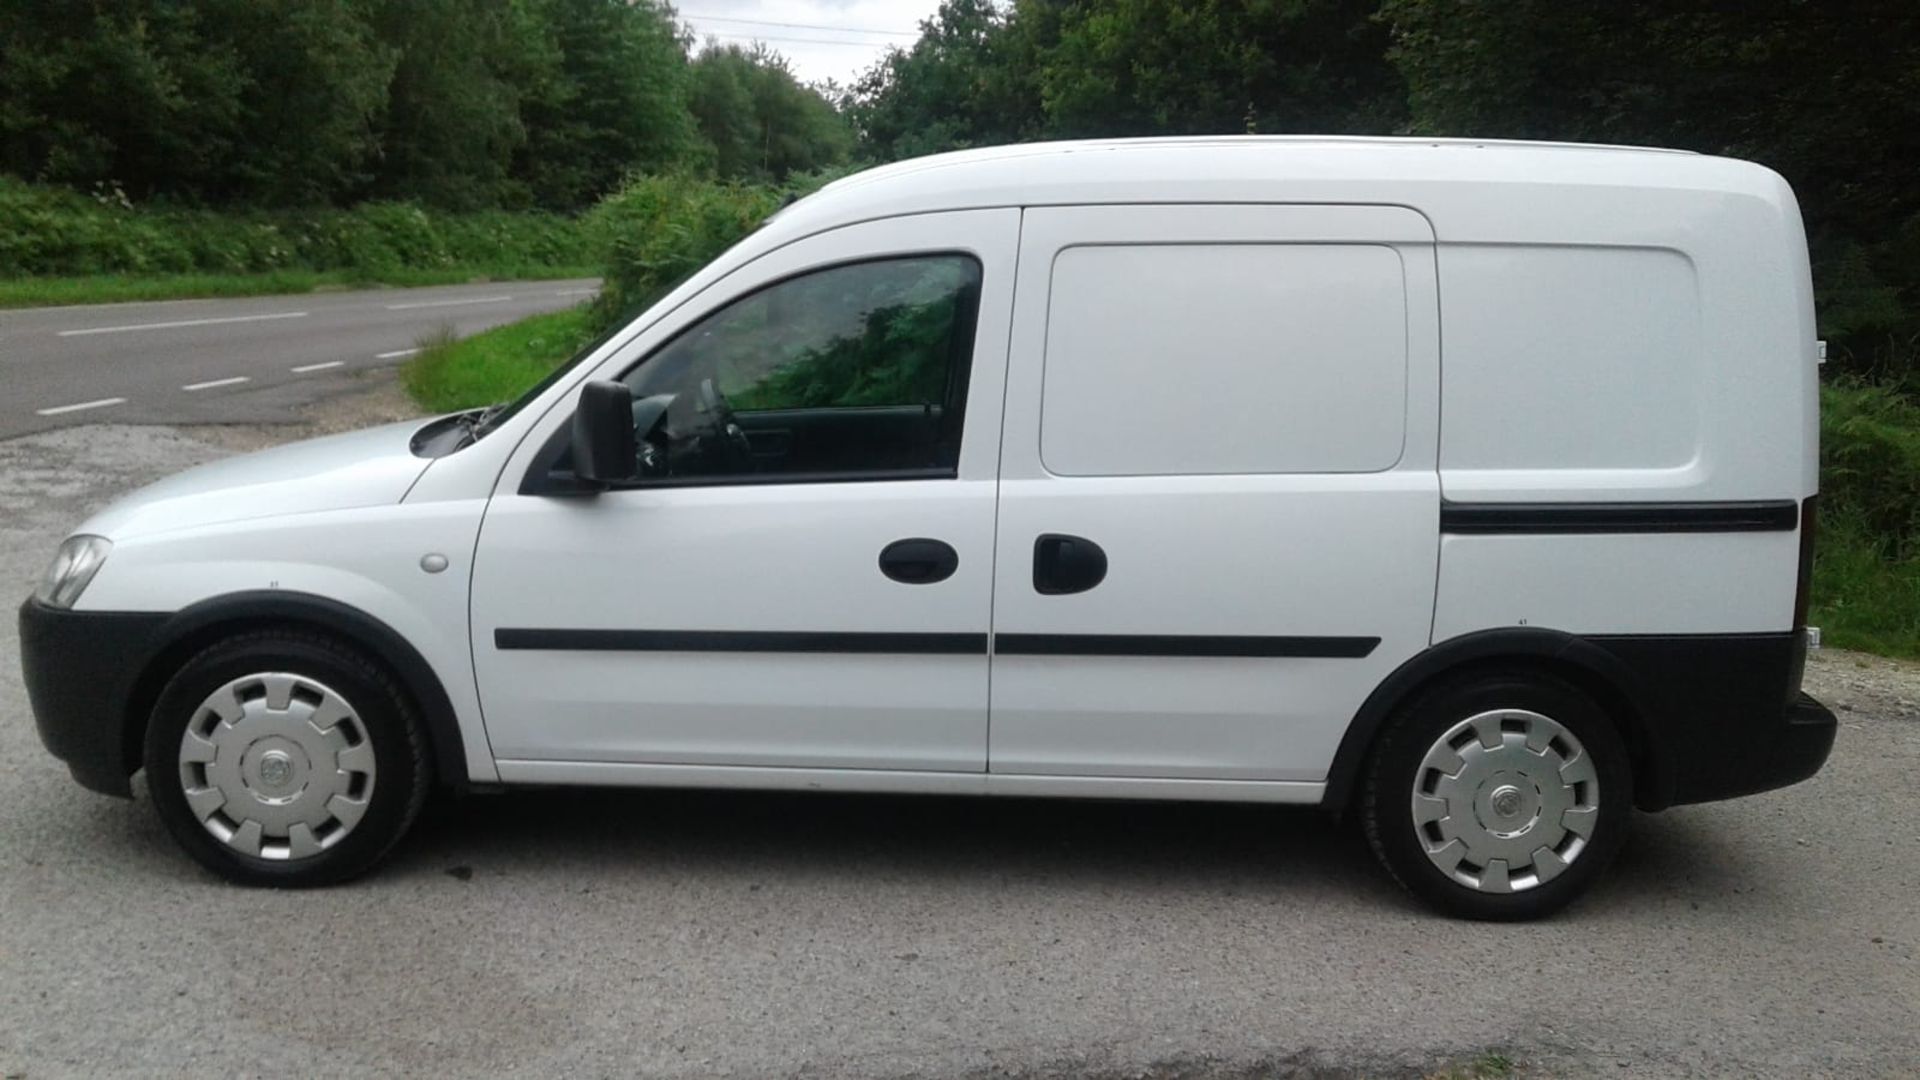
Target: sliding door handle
{"points": [[1067, 564]]}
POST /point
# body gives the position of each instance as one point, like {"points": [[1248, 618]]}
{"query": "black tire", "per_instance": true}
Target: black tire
{"points": [[402, 760], [1395, 766]]}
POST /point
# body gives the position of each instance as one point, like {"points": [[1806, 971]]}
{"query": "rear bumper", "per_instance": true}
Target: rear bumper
{"points": [[1723, 715], [1803, 746], [80, 668]]}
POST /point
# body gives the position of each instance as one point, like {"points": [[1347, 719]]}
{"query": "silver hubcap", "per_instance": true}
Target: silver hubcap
{"points": [[1505, 800], [277, 766]]}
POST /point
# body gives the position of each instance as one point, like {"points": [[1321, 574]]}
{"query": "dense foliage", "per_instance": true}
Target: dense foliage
{"points": [[49, 232], [984, 73], [459, 104], [1867, 567], [756, 125], [659, 229]]}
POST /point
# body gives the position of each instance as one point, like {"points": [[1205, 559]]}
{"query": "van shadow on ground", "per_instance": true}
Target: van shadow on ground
{"points": [[1092, 843]]}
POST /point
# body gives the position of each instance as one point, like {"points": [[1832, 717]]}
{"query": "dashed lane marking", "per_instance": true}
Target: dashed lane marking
{"points": [[447, 303], [182, 322], [101, 404], [212, 383]]}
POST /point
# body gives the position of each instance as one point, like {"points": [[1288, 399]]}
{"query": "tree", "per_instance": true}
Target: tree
{"points": [[316, 82], [982, 73], [128, 91], [971, 79], [1156, 67], [720, 98], [452, 122], [609, 95], [761, 123], [228, 100]]}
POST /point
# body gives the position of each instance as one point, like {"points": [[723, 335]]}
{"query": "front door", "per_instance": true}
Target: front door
{"points": [[1219, 502], [801, 577]]}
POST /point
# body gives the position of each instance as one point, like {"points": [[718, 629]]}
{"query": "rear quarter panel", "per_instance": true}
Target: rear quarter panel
{"points": [[1627, 344]]}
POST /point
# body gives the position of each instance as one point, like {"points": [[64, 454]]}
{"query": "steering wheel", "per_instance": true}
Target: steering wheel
{"points": [[735, 445]]}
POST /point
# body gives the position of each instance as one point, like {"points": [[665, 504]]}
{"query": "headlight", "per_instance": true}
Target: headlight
{"points": [[73, 567]]}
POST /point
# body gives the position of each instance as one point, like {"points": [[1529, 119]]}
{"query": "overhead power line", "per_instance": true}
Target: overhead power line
{"points": [[801, 40], [798, 26]]}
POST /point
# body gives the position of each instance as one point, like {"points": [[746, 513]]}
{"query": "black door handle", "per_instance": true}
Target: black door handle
{"points": [[919, 561], [1067, 564]]}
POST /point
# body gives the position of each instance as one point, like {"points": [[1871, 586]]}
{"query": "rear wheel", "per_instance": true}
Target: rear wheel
{"points": [[285, 758], [1499, 795]]}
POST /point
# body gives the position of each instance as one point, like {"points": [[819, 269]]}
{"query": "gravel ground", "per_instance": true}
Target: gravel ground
{"points": [[697, 934]]}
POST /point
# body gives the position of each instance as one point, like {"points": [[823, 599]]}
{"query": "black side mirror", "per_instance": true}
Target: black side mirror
{"points": [[604, 445]]}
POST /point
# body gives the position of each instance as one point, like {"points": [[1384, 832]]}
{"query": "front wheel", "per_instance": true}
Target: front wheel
{"points": [[1498, 796], [285, 758]]}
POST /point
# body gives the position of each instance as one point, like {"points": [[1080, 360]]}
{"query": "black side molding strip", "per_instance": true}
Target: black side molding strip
{"points": [[1198, 645], [1344, 648], [738, 641], [1762, 515]]}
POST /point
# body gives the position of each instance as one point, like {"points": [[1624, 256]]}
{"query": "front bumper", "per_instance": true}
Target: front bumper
{"points": [[81, 669]]}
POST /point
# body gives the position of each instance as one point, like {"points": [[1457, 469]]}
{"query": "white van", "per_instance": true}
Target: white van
{"points": [[1464, 486]]}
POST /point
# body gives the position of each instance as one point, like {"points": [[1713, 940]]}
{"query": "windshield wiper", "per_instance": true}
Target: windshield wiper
{"points": [[482, 422]]}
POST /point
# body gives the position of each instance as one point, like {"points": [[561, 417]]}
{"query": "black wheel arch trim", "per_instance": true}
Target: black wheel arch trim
{"points": [[1590, 666], [196, 626]]}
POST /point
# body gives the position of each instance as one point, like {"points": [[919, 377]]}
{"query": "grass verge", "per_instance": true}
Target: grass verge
{"points": [[115, 288], [1866, 577], [496, 365], [1863, 598]]}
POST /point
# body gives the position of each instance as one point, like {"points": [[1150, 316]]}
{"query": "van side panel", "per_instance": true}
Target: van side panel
{"points": [[1227, 350], [1237, 404], [1647, 411], [1663, 583], [1572, 358]]}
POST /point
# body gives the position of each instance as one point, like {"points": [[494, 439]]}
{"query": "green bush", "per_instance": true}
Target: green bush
{"points": [[1866, 580], [1870, 464], [657, 230], [53, 232]]}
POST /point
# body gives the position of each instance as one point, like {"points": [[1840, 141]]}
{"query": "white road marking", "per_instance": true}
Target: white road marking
{"points": [[395, 354], [101, 404], [211, 383], [448, 303], [304, 368], [183, 322], [574, 292]]}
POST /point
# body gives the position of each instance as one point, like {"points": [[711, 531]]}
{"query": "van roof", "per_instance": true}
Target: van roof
{"points": [[1261, 168]]}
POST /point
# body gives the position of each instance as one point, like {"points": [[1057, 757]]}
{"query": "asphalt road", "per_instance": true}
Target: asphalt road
{"points": [[689, 934], [185, 361]]}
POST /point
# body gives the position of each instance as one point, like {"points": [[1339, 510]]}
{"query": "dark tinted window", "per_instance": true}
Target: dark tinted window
{"points": [[855, 369]]}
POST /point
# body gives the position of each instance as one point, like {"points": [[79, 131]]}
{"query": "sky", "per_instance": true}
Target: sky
{"points": [[823, 39]]}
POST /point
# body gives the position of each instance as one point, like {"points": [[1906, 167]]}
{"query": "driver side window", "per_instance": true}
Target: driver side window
{"points": [[849, 372]]}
